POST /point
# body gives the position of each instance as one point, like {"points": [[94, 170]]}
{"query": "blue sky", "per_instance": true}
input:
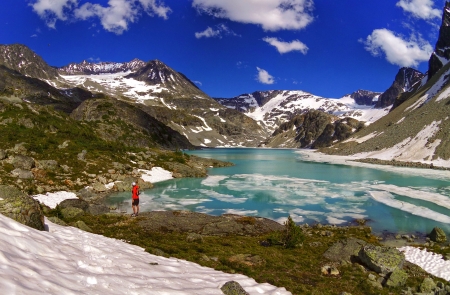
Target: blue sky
{"points": [[229, 47]]}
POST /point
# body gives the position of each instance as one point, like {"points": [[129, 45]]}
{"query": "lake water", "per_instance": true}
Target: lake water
{"points": [[276, 183]]}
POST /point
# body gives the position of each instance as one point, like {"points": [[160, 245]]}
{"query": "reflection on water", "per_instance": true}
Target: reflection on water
{"points": [[277, 183]]}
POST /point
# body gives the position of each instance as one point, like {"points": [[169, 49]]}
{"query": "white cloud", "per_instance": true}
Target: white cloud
{"points": [[284, 47], [398, 51], [115, 17], [420, 8], [272, 15], [264, 77], [210, 32], [53, 10]]}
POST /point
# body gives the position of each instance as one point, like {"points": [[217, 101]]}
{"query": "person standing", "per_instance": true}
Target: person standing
{"points": [[135, 199]]}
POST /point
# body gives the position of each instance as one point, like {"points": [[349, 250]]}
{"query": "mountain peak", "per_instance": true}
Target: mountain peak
{"points": [[89, 68], [22, 59], [441, 54], [404, 80]]}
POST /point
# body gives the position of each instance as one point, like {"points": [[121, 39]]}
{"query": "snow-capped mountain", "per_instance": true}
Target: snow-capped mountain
{"points": [[153, 87], [365, 97], [417, 130], [88, 68], [272, 108]]}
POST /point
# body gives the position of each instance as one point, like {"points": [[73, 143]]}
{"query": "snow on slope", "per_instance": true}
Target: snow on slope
{"points": [[117, 84], [67, 260], [289, 103]]}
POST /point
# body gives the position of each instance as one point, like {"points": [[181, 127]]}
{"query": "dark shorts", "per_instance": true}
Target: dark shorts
{"points": [[135, 202]]}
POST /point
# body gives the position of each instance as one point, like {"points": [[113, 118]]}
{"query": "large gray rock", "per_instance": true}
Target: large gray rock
{"points": [[99, 187], [98, 209], [382, 260], [21, 207], [23, 162], [345, 250], [71, 212], [438, 235], [233, 288], [75, 203], [22, 173], [86, 193]]}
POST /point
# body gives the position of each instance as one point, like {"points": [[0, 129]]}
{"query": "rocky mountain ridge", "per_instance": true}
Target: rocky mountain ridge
{"points": [[89, 68], [417, 129]]}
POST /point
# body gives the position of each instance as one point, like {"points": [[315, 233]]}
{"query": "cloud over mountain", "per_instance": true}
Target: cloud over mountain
{"points": [[264, 76], [398, 51]]}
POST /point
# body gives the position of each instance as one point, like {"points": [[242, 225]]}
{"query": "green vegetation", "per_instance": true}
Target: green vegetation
{"points": [[298, 268]]}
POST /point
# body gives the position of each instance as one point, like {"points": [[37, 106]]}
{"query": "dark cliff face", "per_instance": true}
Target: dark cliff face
{"points": [[442, 49], [404, 80], [365, 97]]}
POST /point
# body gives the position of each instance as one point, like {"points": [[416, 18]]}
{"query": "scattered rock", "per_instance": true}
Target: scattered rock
{"points": [[3, 154], [233, 288], [99, 187], [329, 270], [193, 237]]}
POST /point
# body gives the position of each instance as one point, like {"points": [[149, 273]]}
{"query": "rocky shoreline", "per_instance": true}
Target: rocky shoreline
{"points": [[401, 163]]}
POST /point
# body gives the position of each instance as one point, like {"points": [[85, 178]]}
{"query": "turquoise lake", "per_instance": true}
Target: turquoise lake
{"points": [[276, 183]]}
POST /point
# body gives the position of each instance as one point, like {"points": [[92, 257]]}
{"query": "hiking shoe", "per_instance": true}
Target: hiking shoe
{"points": [[133, 215]]}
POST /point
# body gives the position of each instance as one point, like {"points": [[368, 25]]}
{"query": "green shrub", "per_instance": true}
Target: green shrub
{"points": [[291, 237]]}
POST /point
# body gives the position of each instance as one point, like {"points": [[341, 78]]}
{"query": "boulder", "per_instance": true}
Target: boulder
{"points": [[99, 187], [23, 162], [49, 165], [124, 185], [82, 156], [438, 235], [144, 184], [397, 278], [382, 260], [75, 203], [71, 212], [86, 194], [3, 154], [22, 173], [98, 209], [345, 250], [233, 288], [21, 207]]}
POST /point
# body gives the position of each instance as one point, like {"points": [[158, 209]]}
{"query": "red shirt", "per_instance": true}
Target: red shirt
{"points": [[135, 192]]}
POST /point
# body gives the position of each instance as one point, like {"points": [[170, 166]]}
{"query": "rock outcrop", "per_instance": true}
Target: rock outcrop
{"points": [[21, 207], [441, 54]]}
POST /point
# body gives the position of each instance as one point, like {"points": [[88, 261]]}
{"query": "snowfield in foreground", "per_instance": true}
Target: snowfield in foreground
{"points": [[66, 260]]}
